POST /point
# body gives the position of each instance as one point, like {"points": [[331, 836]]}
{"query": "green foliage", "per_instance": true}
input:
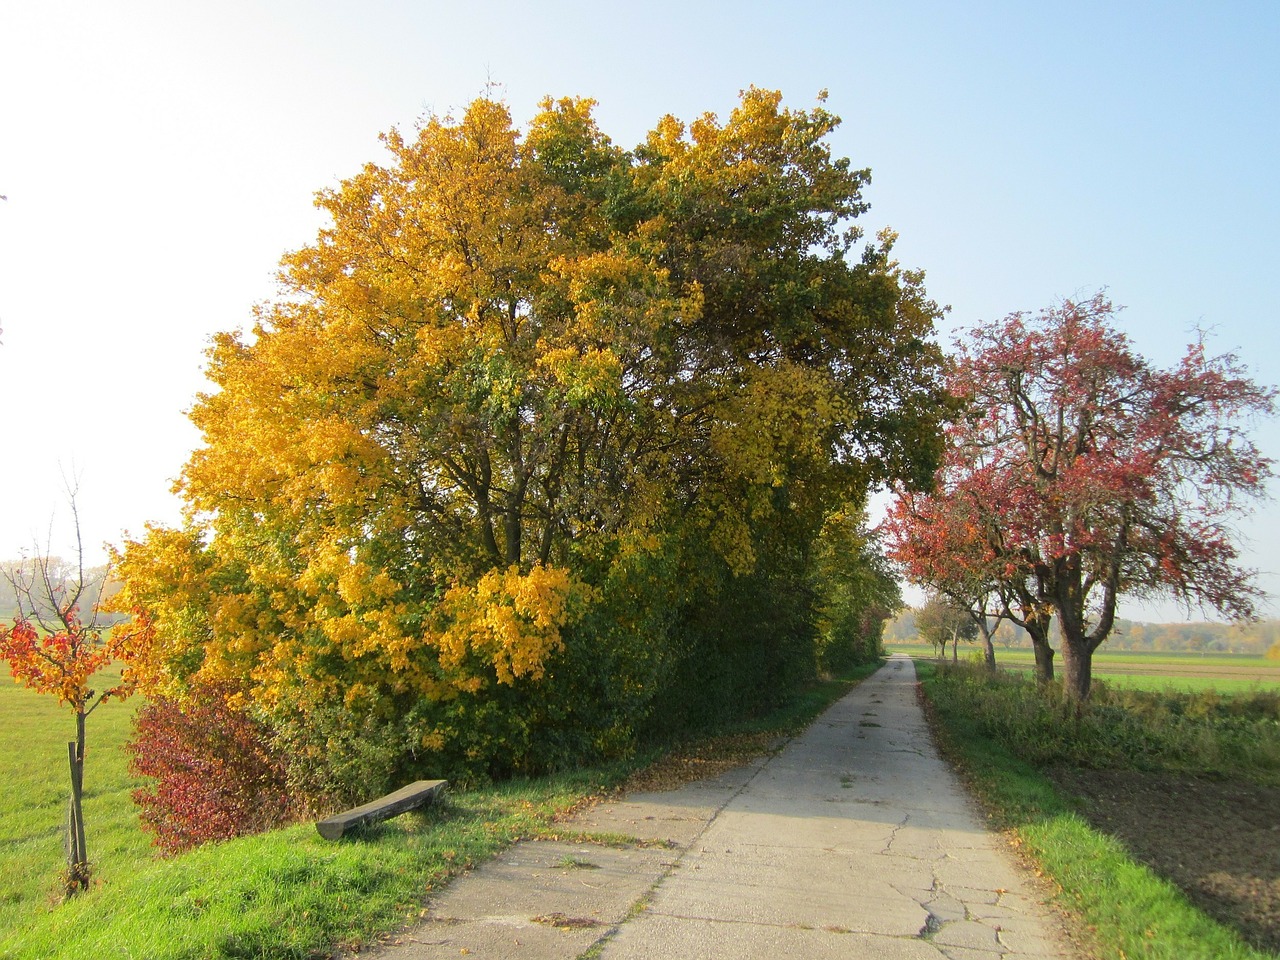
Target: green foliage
{"points": [[941, 621], [856, 593], [743, 648]]}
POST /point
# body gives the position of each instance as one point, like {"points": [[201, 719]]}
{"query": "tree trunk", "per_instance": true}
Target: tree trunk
{"points": [[77, 861], [1044, 659], [955, 646], [77, 856], [989, 648], [1037, 623], [1077, 670]]}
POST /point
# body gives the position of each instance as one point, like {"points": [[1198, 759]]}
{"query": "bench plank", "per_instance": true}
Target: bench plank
{"points": [[393, 804]]}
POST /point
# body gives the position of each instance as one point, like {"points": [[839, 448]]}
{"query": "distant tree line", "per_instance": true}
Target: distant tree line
{"points": [[97, 586]]}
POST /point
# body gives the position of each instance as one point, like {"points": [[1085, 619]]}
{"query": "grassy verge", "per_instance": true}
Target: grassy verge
{"points": [[1128, 911], [1161, 672], [290, 894], [1148, 658]]}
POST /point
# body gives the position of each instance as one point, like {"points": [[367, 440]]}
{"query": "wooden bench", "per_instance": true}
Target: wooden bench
{"points": [[392, 805]]}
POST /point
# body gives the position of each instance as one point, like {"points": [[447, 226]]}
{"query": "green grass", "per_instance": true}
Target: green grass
{"points": [[34, 731], [285, 894], [290, 893], [1163, 682], [1127, 910], [1023, 655], [1196, 733], [1141, 670]]}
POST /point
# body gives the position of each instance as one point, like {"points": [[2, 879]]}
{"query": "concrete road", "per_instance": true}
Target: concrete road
{"points": [[855, 841]]}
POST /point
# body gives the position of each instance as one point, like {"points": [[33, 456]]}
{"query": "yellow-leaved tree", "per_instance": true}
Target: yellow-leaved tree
{"points": [[540, 436]]}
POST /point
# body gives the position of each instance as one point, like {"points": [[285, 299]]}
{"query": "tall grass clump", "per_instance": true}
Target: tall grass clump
{"points": [[1203, 733]]}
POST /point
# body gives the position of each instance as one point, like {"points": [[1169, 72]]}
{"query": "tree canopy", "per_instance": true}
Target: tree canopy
{"points": [[525, 389], [1081, 473], [941, 620]]}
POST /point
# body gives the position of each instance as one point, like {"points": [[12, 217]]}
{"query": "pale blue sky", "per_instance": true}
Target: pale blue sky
{"points": [[159, 157]]}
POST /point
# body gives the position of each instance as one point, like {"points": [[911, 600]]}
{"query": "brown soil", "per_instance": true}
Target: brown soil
{"points": [[1217, 840]]}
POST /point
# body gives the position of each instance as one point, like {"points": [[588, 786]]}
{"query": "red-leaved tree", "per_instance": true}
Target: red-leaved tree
{"points": [[951, 542], [1082, 473], [51, 649]]}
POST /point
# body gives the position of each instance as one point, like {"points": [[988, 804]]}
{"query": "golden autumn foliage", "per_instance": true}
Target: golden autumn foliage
{"points": [[529, 390], [511, 619]]}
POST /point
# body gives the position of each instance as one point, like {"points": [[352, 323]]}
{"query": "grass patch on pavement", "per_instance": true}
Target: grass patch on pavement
{"points": [[288, 893], [1126, 910]]}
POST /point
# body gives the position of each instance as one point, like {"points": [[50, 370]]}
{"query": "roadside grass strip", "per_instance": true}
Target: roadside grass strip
{"points": [[1119, 908]]}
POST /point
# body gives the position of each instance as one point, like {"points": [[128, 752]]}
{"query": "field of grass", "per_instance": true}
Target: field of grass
{"points": [[1188, 672], [286, 894]]}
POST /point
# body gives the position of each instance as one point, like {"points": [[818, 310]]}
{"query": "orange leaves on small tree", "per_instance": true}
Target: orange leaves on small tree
{"points": [[50, 649], [61, 664]]}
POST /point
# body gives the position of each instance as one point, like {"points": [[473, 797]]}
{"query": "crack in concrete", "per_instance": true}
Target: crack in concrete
{"points": [[914, 751], [893, 835]]}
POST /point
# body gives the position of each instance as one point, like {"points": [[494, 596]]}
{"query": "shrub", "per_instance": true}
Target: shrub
{"points": [[215, 773]]}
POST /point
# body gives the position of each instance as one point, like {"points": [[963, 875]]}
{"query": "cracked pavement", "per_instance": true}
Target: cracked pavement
{"points": [[853, 841]]}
